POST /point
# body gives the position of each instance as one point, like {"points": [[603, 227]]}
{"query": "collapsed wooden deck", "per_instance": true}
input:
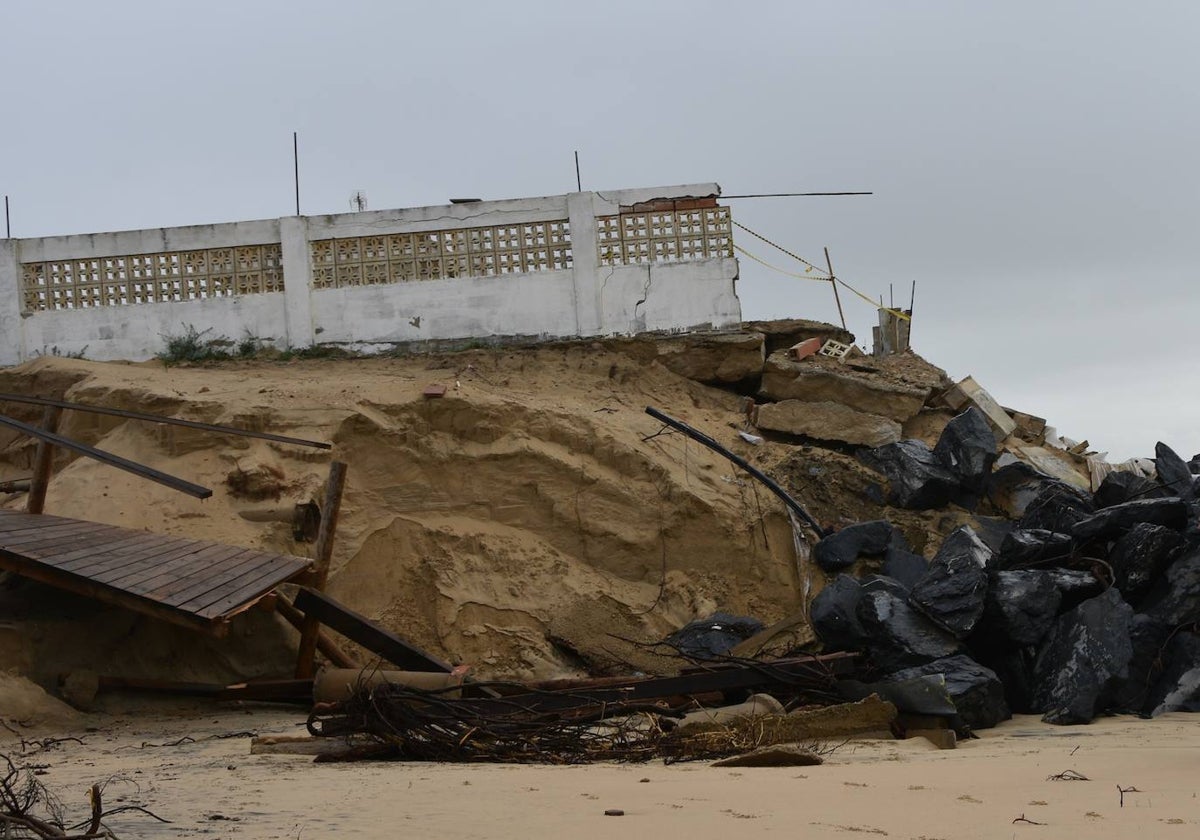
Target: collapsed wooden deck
{"points": [[194, 583]]}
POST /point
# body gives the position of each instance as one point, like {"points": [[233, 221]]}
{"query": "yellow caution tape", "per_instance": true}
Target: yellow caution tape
{"points": [[824, 277], [899, 313]]}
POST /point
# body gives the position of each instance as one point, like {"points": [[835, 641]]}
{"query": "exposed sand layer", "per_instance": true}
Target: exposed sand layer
{"points": [[516, 524], [213, 787]]}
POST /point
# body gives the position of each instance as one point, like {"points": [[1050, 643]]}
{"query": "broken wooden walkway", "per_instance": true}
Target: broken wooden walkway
{"points": [[194, 583]]}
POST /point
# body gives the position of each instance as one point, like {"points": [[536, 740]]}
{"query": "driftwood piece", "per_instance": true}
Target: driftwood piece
{"points": [[778, 755]]}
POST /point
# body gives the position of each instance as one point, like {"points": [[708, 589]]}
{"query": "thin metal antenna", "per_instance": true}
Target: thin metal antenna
{"points": [[7, 222], [578, 182], [296, 168], [793, 195]]}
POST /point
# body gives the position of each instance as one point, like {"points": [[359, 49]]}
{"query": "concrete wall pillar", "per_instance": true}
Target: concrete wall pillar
{"points": [[585, 260], [297, 281], [12, 339]]}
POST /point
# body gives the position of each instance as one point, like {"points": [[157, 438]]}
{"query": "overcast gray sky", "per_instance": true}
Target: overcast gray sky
{"points": [[1034, 163]]}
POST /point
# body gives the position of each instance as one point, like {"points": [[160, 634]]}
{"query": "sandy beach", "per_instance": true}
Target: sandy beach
{"points": [[210, 786]]}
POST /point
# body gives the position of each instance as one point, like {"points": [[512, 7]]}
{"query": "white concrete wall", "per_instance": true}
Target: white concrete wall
{"points": [[12, 342], [139, 332], [537, 304], [587, 299], [120, 243], [669, 296]]}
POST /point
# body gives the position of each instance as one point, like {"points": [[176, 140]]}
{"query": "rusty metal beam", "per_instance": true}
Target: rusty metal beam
{"points": [[155, 418], [112, 460]]}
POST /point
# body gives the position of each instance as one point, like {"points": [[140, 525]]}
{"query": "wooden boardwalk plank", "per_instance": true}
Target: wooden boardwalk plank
{"points": [[83, 561], [218, 601], [175, 561], [195, 583], [172, 556], [230, 568], [35, 536], [198, 566]]}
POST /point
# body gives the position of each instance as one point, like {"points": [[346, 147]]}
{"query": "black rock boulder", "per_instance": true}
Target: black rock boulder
{"points": [[1086, 655]]}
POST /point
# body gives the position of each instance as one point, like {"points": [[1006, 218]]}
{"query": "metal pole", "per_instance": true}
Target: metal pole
{"points": [[194, 490], [296, 168], [7, 221], [836, 296], [793, 195], [578, 182], [155, 418]]}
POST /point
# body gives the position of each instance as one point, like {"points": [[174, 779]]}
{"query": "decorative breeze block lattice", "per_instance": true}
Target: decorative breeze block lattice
{"points": [[151, 278], [664, 236], [441, 254], [835, 349]]}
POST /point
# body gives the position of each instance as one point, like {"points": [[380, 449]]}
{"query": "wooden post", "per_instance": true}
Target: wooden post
{"points": [[43, 462], [326, 645], [306, 656]]}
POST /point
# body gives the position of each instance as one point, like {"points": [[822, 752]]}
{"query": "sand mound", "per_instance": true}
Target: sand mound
{"points": [[24, 704]]}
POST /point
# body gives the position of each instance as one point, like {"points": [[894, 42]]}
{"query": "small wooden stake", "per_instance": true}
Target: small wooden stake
{"points": [[43, 462], [306, 665], [833, 282]]}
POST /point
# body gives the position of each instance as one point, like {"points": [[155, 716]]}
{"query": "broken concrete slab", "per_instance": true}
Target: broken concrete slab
{"points": [[1055, 463], [784, 379], [827, 421], [943, 739], [783, 334], [718, 358], [869, 715], [969, 392], [927, 424]]}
